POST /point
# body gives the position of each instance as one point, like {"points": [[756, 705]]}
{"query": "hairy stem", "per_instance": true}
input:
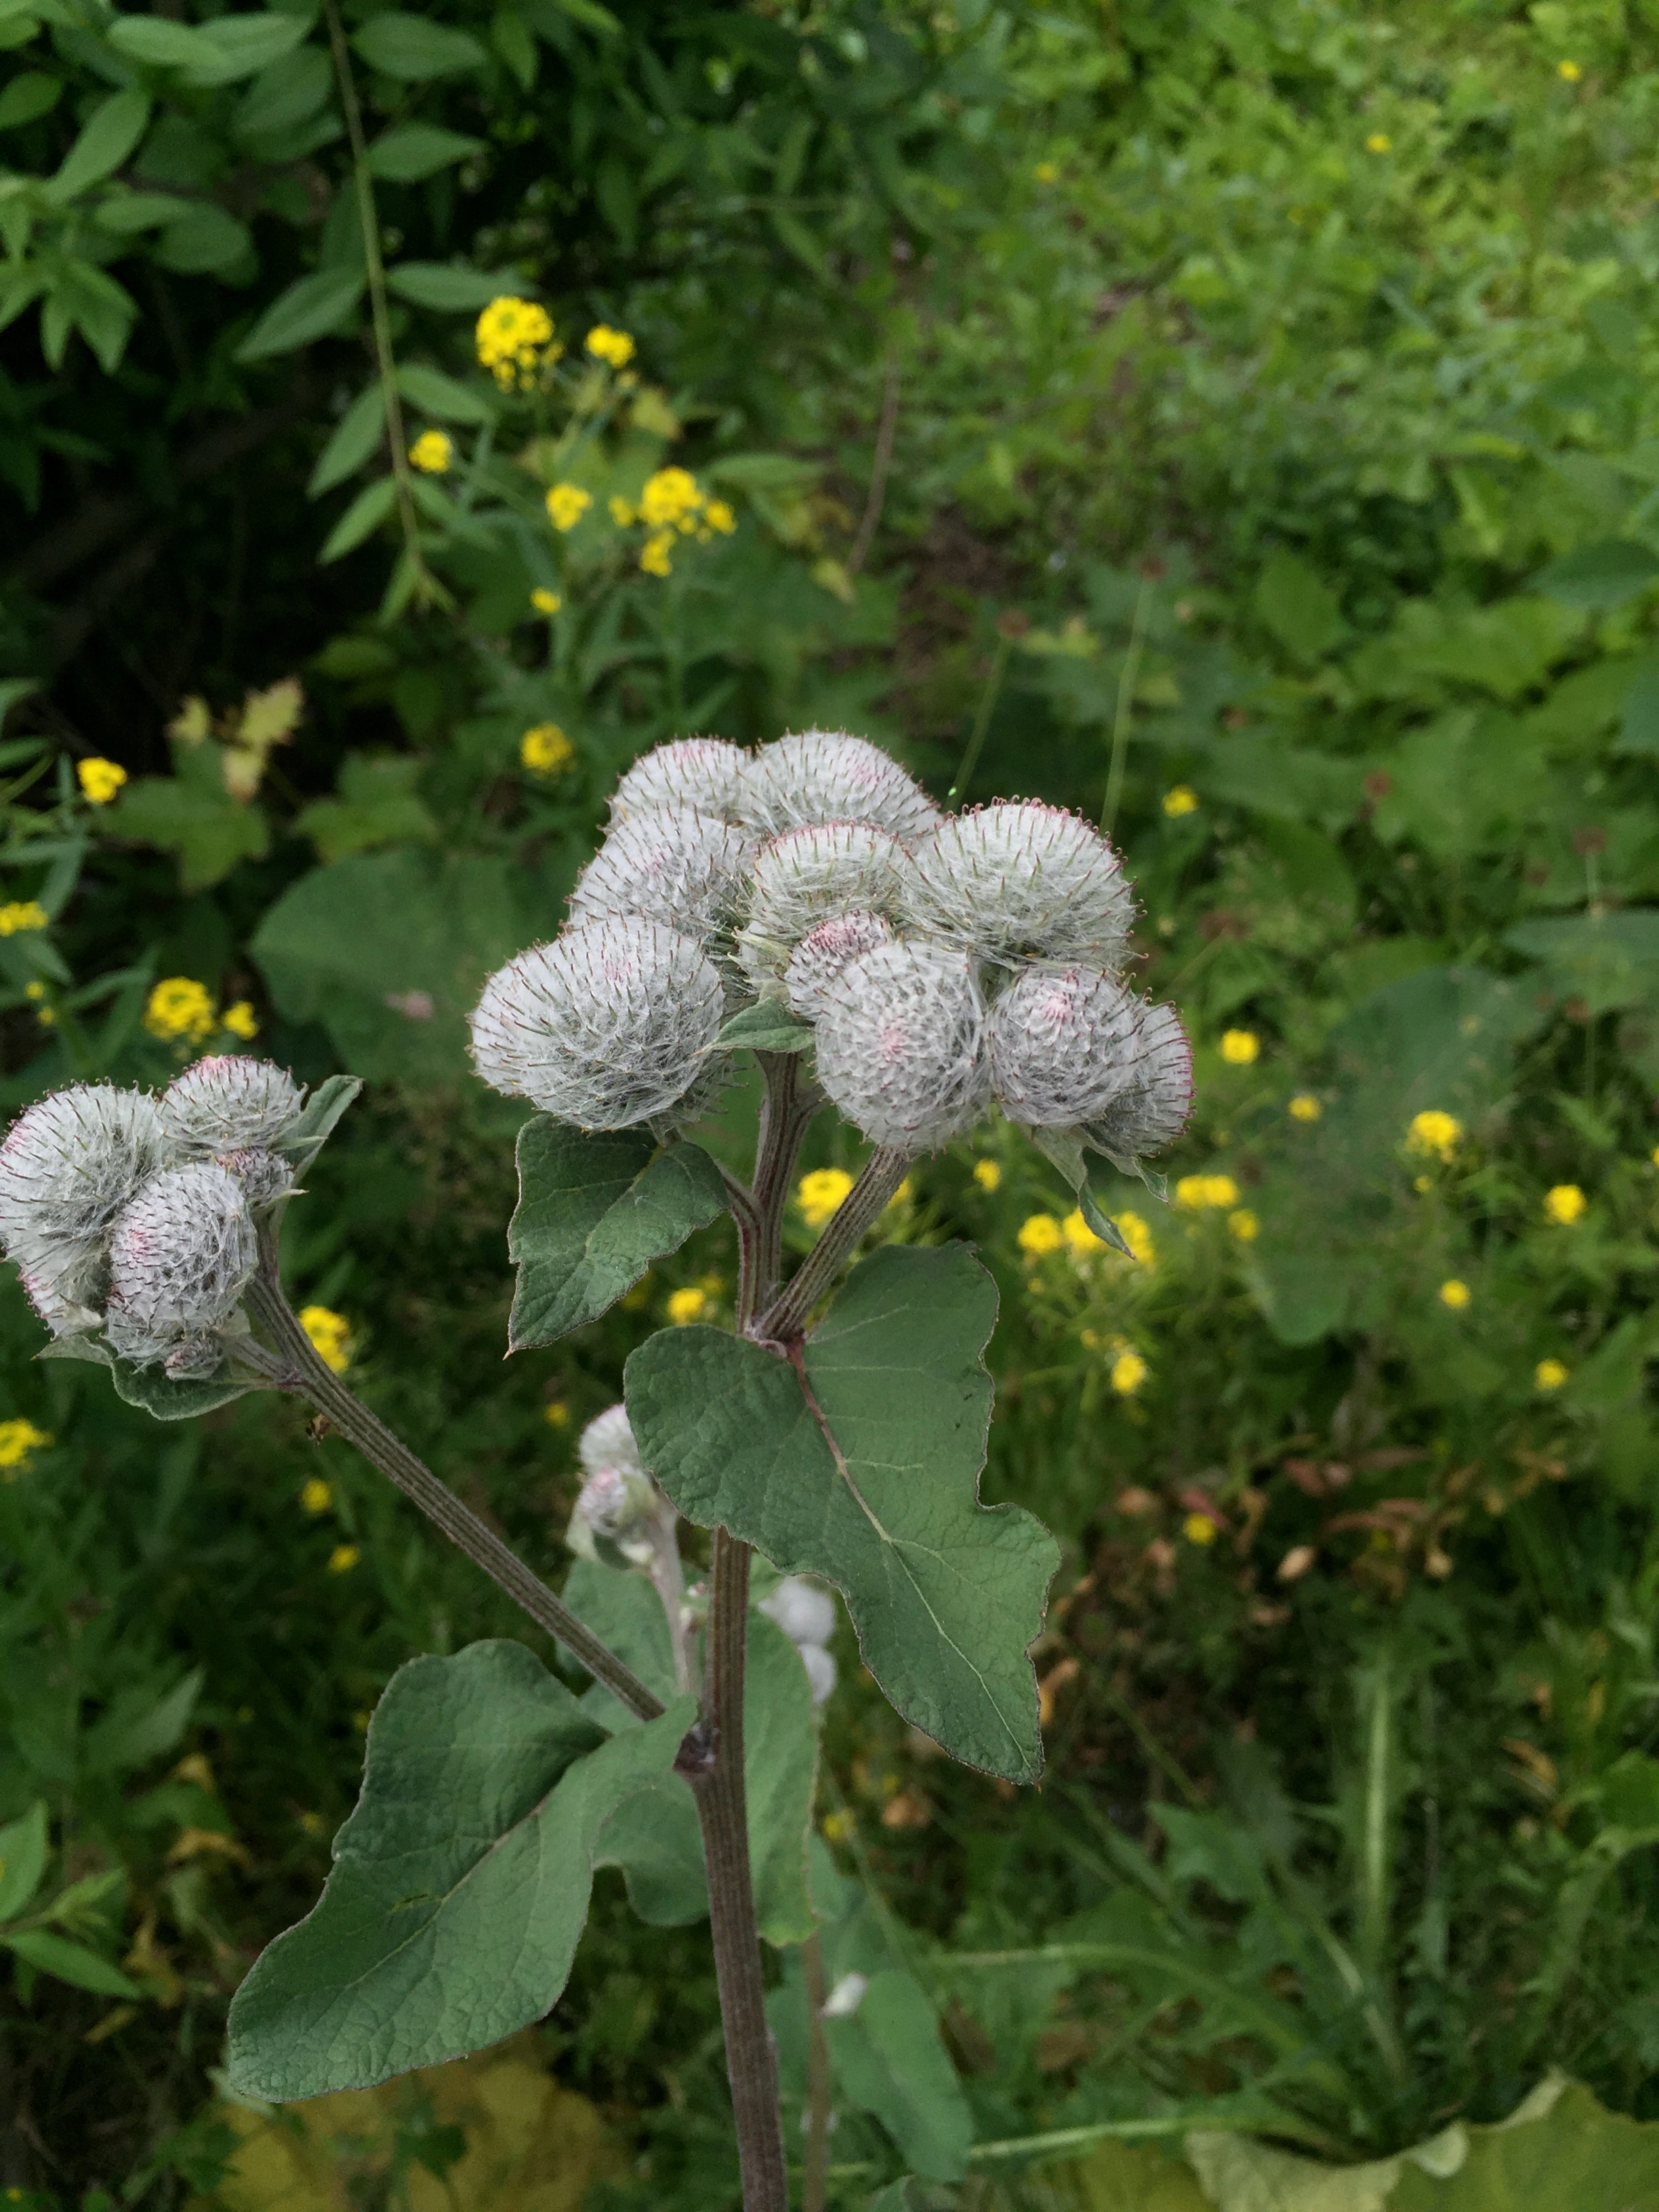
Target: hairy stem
{"points": [[292, 1363], [792, 1101], [812, 2188], [786, 1318]]}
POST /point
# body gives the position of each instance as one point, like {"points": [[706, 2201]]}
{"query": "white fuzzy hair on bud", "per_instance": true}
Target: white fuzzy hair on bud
{"points": [[824, 775], [227, 1102], [608, 1441], [607, 1027], [824, 952], [811, 874], [900, 1045], [1022, 881], [670, 864], [67, 1168], [705, 773], [181, 1256], [264, 1176], [64, 1279], [1063, 1043], [1151, 1111]]}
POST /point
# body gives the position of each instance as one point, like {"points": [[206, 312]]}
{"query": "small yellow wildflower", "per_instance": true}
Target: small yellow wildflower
{"points": [[668, 496], [987, 1175], [1244, 1225], [1047, 172], [316, 1497], [22, 913], [1304, 1107], [819, 1194], [1434, 1131], [1550, 1374], [241, 1021], [1129, 1371], [511, 336], [1569, 72], [1078, 1235], [99, 779], [1564, 1204], [1199, 1194], [331, 1335], [1240, 1047], [624, 513], [343, 1559], [46, 1016], [557, 1415], [654, 554], [19, 1442], [567, 503], [179, 1009], [1181, 798], [1040, 1233], [719, 516], [1198, 1529], [1137, 1236], [545, 749], [838, 1826], [432, 452], [1454, 1294], [35, 990], [685, 1306], [606, 344], [312, 1823], [545, 601], [1379, 142]]}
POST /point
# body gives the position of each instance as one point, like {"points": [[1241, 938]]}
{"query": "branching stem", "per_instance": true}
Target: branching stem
{"points": [[786, 1317]]}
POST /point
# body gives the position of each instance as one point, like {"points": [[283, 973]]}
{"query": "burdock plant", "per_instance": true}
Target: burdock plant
{"points": [[808, 903]]}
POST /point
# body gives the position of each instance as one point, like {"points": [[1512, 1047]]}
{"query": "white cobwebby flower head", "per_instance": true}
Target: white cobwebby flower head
{"points": [[608, 1441], [705, 773], [67, 1168], [823, 776], [824, 952], [1151, 1111], [805, 1613], [808, 875], [264, 1176], [227, 1102], [1063, 1043], [900, 1045], [669, 863], [1022, 881], [606, 1027], [181, 1256]]}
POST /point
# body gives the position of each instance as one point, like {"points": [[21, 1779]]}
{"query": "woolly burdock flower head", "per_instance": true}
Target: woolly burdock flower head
{"points": [[900, 1045], [607, 1027], [1062, 1043], [608, 1441], [824, 952], [669, 863], [1022, 881], [809, 875], [704, 773], [181, 1256], [71, 1162], [229, 1102], [264, 1176], [823, 776], [1149, 1112]]}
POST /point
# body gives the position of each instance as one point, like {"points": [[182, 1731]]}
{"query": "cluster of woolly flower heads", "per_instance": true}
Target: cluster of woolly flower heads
{"points": [[943, 961], [136, 1214]]}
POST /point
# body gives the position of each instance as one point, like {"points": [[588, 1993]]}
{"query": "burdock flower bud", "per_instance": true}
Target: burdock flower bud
{"points": [[1151, 1110], [619, 1501], [824, 952], [705, 773], [67, 1168], [63, 1277], [181, 1256], [1062, 1045], [669, 863], [900, 1045], [808, 875], [227, 1102], [1022, 881], [608, 1441], [607, 1027], [264, 1175], [822, 775]]}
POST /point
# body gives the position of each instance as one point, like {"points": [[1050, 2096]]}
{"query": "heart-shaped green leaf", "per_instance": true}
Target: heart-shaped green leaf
{"points": [[593, 1212], [460, 1883], [862, 1465]]}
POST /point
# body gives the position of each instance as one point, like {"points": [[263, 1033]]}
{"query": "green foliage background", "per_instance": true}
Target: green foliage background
{"points": [[1253, 406]]}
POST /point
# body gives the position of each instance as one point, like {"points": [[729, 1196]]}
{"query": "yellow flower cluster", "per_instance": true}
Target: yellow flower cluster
{"points": [[1199, 1528], [1244, 1224], [180, 1011], [1434, 1131], [1240, 1047], [99, 779], [1304, 1107], [513, 338], [819, 1194], [1202, 1194], [567, 503], [546, 750], [315, 1495], [1454, 1294], [1550, 1374], [1564, 1204], [688, 1305], [1129, 1371], [330, 1336], [1378, 143], [22, 913], [19, 1442], [1181, 798], [433, 452], [673, 503], [1040, 1233], [343, 1559], [1569, 72], [545, 601], [613, 346], [987, 1175], [241, 1021]]}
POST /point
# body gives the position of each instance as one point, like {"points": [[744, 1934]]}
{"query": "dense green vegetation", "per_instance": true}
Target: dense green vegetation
{"points": [[1235, 423]]}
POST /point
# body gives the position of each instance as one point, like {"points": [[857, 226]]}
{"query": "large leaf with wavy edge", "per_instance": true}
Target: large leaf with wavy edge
{"points": [[594, 1211], [862, 1465], [460, 1883]]}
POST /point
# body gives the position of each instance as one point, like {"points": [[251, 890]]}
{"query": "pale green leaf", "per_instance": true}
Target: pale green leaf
{"points": [[319, 1119], [889, 2061], [106, 138], [410, 151], [594, 1211], [311, 307], [372, 507], [356, 435], [413, 48], [460, 1883], [767, 1026], [70, 1962], [240, 46], [28, 97], [158, 1395], [159, 42], [438, 284], [23, 1847], [1601, 575], [872, 1484], [446, 397]]}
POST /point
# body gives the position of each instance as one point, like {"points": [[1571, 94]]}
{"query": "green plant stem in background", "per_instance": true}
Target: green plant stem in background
{"points": [[1123, 713], [293, 1364], [987, 702]]}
